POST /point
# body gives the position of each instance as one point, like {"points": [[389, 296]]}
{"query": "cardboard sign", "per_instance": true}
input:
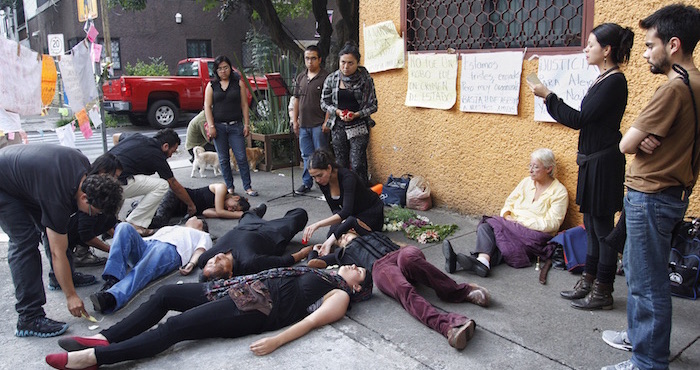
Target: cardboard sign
{"points": [[490, 82], [568, 76], [432, 81], [383, 47]]}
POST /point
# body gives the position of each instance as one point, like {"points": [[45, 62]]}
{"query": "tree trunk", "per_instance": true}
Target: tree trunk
{"points": [[325, 28], [279, 36]]}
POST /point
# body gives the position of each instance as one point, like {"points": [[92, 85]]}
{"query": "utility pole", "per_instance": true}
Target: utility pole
{"points": [[108, 60]]}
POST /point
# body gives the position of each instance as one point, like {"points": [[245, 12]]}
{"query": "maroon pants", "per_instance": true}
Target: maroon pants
{"points": [[395, 274]]}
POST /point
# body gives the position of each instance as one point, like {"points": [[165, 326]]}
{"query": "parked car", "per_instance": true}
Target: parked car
{"points": [[158, 100]]}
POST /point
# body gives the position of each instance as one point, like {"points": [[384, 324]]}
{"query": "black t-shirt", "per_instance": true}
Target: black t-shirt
{"points": [[84, 227], [355, 197], [45, 178], [294, 298], [227, 104], [252, 252], [203, 198], [141, 155]]}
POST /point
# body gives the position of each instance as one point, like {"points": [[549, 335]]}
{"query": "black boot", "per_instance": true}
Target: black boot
{"points": [[600, 297], [581, 289]]}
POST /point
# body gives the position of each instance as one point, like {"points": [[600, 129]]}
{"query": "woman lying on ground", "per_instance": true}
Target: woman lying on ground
{"points": [[346, 195], [212, 201], [531, 214], [208, 310], [396, 269]]}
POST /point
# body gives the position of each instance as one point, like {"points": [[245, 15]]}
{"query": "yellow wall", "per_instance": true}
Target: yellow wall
{"points": [[473, 161]]}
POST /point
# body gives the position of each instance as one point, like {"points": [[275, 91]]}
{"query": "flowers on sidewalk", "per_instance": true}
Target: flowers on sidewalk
{"points": [[416, 227]]}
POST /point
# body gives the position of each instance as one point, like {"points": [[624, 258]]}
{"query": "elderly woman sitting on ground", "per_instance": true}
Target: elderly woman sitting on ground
{"points": [[531, 214]]}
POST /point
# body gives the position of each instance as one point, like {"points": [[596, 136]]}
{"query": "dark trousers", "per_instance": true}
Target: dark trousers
{"points": [[351, 153], [170, 206], [23, 256], [395, 274], [130, 338], [486, 243], [601, 258], [280, 230]]}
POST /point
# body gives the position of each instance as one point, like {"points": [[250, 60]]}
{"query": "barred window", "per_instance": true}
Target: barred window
{"points": [[496, 24], [199, 48]]}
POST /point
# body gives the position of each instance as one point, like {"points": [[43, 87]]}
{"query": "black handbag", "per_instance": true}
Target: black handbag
{"points": [[394, 191], [684, 260]]}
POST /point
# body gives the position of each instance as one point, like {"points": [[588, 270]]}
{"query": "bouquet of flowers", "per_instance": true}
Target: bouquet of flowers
{"points": [[416, 227]]}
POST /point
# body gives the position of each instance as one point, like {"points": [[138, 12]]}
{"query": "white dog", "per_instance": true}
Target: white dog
{"points": [[202, 159]]}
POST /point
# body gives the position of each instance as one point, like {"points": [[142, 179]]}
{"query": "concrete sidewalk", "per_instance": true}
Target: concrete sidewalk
{"points": [[527, 327]]}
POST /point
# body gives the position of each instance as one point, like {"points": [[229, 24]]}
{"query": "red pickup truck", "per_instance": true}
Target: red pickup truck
{"points": [[159, 100]]}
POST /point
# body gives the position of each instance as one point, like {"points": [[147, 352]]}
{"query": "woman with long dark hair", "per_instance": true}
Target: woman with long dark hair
{"points": [[599, 190], [226, 109]]}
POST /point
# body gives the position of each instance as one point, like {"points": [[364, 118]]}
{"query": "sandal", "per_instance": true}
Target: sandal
{"points": [[251, 193]]}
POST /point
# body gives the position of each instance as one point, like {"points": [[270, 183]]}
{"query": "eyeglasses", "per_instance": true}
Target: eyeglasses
{"points": [[222, 69], [533, 167]]}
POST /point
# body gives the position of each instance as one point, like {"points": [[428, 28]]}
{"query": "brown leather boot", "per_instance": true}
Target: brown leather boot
{"points": [[600, 297], [581, 289]]}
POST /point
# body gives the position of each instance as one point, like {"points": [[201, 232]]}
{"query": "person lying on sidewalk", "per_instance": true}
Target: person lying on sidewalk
{"points": [[395, 270], [254, 245], [305, 297], [149, 258], [212, 201], [531, 214]]}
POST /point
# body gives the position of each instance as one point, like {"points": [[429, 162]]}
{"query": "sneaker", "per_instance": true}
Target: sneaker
{"points": [[103, 302], [79, 280], [303, 189], [84, 257], [617, 339], [625, 365], [41, 326], [109, 282]]}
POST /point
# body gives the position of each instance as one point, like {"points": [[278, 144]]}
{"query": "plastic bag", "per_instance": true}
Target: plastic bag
{"points": [[418, 194]]}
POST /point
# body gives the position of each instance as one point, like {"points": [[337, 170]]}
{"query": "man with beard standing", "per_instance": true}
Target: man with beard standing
{"points": [[659, 181]]}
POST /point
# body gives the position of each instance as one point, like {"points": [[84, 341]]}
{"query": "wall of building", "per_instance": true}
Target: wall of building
{"points": [[473, 161], [151, 32]]}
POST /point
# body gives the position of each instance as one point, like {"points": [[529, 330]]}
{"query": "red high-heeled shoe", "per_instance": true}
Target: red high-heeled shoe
{"points": [[72, 344]]}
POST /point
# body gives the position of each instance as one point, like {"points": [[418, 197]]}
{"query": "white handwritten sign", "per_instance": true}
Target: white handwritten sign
{"points": [[490, 82], [20, 79], [568, 76], [78, 78], [383, 47], [432, 81]]}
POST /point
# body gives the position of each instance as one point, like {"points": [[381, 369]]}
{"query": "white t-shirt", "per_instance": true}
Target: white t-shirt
{"points": [[185, 239]]}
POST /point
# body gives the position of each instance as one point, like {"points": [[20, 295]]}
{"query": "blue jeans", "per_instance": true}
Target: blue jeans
{"points": [[231, 137], [310, 139], [149, 260], [650, 222]]}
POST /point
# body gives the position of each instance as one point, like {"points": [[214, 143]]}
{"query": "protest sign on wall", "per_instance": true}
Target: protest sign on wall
{"points": [[490, 82], [568, 76], [20, 78], [78, 78], [383, 47], [432, 81]]}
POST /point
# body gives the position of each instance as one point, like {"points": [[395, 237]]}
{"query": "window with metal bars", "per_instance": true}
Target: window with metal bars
{"points": [[199, 48], [496, 24]]}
